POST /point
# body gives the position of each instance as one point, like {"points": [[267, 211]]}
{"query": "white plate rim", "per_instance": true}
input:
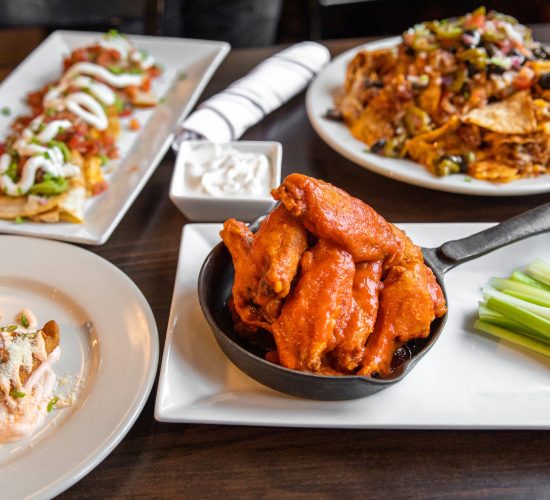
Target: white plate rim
{"points": [[79, 233], [84, 461], [168, 409], [338, 137]]}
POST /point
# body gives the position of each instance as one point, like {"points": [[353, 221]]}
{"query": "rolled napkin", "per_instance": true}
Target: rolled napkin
{"points": [[227, 115]]}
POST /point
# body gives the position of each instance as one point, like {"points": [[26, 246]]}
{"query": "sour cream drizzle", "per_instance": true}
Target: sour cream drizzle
{"points": [[90, 86]]}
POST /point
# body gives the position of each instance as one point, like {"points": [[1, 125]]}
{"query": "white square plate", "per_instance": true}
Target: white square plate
{"points": [[188, 66], [466, 381]]}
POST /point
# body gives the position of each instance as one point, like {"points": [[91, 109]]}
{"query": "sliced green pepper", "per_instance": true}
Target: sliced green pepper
{"points": [[416, 120]]}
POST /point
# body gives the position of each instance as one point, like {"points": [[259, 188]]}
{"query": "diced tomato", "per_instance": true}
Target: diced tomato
{"points": [[2, 148], [98, 188], [474, 20], [131, 90], [127, 111], [154, 71], [107, 57], [134, 124], [146, 85], [525, 78]]}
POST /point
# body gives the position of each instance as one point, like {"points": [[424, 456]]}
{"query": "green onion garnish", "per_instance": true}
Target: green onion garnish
{"points": [[52, 403]]}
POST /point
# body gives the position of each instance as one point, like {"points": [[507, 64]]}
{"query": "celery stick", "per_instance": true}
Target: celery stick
{"points": [[539, 270], [495, 318], [521, 315], [529, 293], [526, 297], [521, 277], [489, 292], [513, 337]]}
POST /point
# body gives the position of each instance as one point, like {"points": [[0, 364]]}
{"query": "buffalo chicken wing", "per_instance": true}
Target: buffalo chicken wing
{"points": [[339, 287]]}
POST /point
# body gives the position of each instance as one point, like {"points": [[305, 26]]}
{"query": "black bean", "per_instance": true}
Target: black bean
{"points": [[334, 115], [544, 81], [496, 69], [378, 145], [374, 83]]}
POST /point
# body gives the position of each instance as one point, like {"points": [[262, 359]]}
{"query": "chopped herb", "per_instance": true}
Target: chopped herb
{"points": [[50, 112], [112, 33], [19, 191], [11, 172], [116, 69], [119, 104], [24, 320], [17, 394], [162, 100], [19, 220], [467, 179], [10, 328], [5, 111], [52, 403], [367, 150], [34, 140], [182, 75], [104, 159]]}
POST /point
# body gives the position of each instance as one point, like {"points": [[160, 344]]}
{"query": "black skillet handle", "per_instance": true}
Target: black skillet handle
{"points": [[521, 226]]}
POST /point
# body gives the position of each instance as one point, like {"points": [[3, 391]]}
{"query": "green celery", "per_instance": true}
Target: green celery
{"points": [[521, 277], [544, 312], [521, 315], [539, 270], [495, 318], [513, 337], [527, 292]]}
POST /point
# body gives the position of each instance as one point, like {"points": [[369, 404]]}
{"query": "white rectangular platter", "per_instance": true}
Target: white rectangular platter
{"points": [[188, 66], [467, 380]]}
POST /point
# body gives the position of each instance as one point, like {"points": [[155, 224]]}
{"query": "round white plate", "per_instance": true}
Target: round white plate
{"points": [[320, 98], [109, 341]]}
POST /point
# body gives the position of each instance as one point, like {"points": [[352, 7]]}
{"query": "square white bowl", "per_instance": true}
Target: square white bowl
{"points": [[201, 207]]}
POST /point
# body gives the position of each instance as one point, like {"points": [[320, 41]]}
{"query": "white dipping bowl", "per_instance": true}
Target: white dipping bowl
{"points": [[197, 206]]}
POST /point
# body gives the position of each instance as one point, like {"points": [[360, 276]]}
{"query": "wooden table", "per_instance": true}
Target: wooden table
{"points": [[206, 461]]}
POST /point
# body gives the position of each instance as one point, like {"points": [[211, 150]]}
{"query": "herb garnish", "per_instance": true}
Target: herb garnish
{"points": [[24, 320], [52, 403]]}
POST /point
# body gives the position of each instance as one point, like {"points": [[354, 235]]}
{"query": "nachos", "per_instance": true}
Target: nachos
{"points": [[52, 160], [463, 95]]}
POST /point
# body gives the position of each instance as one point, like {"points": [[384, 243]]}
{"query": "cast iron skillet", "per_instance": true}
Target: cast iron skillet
{"points": [[216, 280]]}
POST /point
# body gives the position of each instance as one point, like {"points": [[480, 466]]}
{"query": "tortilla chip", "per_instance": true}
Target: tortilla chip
{"points": [[491, 170], [12, 207], [51, 216], [71, 208], [514, 115]]}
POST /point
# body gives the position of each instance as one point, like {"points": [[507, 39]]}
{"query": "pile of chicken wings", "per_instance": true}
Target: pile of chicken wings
{"points": [[338, 287]]}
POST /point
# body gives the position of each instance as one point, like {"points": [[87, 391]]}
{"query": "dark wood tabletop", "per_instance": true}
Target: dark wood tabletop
{"points": [[208, 461]]}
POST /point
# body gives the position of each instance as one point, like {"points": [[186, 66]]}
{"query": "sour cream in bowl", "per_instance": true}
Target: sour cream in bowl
{"points": [[216, 181]]}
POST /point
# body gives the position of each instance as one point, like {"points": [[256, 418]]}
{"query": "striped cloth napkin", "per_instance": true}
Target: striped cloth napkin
{"points": [[227, 115]]}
